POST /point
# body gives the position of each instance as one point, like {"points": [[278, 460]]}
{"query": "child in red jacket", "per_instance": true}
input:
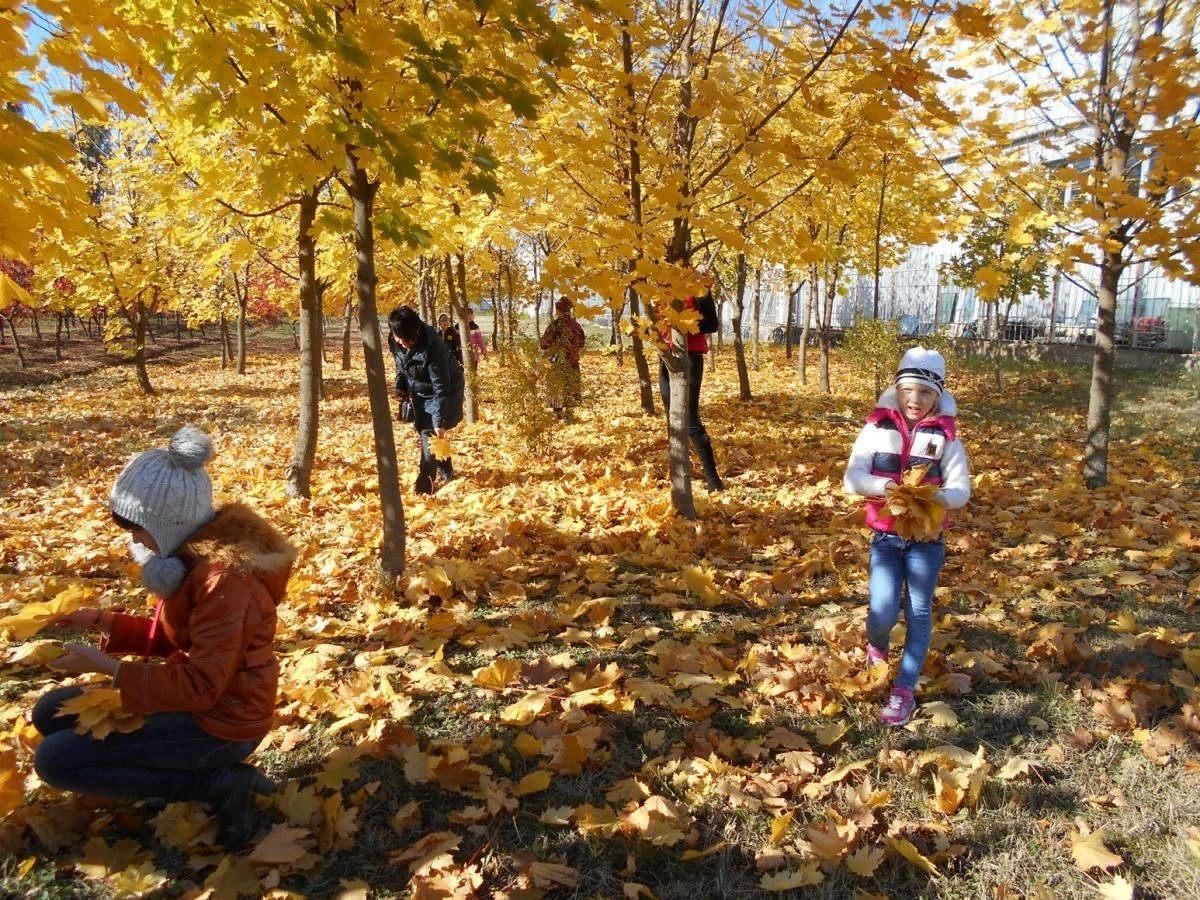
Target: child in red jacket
{"points": [[206, 681]]}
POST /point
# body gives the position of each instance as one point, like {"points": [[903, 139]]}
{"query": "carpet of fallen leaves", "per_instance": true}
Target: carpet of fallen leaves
{"points": [[575, 694]]}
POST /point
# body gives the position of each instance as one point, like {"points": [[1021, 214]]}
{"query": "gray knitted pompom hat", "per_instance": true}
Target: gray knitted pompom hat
{"points": [[167, 492]]}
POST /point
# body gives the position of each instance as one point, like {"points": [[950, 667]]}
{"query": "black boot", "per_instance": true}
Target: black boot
{"points": [[708, 462], [232, 795], [425, 475], [445, 469]]}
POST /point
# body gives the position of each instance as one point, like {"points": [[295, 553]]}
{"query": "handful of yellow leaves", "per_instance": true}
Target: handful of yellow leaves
{"points": [[918, 515]]}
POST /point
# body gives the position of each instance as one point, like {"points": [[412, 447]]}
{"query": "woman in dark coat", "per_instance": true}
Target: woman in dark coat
{"points": [[431, 379]]}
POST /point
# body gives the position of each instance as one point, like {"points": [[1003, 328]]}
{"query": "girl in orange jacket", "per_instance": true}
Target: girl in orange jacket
{"points": [[205, 671]]}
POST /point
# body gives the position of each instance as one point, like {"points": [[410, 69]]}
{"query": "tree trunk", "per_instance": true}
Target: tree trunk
{"points": [[1100, 396], [139, 348], [879, 235], [645, 388], [178, 326], [223, 337], [823, 337], [791, 320], [16, 342], [362, 195], [37, 325], [458, 305], [809, 305], [298, 477], [757, 315], [58, 329], [242, 294], [739, 348], [346, 335], [679, 377]]}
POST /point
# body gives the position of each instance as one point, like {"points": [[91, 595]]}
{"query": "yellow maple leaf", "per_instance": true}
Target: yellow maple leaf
{"points": [[906, 849], [12, 783], [807, 876], [1089, 852], [865, 860], [440, 448], [33, 617], [525, 710], [498, 675], [99, 713], [533, 783]]}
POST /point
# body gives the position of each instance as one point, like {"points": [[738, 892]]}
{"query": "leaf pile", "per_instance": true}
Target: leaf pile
{"points": [[914, 506]]}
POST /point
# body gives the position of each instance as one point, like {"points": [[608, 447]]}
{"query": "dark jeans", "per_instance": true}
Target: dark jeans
{"points": [[696, 429], [430, 464], [170, 756]]}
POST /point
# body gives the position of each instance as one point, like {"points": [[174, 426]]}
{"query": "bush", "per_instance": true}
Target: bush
{"points": [[525, 382]]}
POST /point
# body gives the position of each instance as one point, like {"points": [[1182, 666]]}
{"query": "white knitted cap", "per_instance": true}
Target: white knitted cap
{"points": [[167, 492], [922, 366]]}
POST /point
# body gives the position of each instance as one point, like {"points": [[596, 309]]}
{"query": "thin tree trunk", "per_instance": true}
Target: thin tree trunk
{"points": [[298, 477], [879, 235], [791, 319], [739, 348], [58, 329], [223, 337], [21, 363], [459, 308], [757, 315], [809, 305], [37, 325], [139, 348], [346, 334], [242, 295], [362, 195], [679, 378], [1103, 389], [823, 337]]}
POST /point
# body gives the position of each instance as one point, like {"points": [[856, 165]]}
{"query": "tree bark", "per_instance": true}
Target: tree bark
{"points": [[879, 235], [346, 334], [362, 195], [299, 474], [140, 316], [223, 337], [1100, 396], [757, 315], [242, 295], [458, 305], [679, 379], [21, 363], [809, 305], [739, 348], [58, 329], [791, 320]]}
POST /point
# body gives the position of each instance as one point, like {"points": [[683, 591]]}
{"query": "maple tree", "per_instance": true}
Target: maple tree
{"points": [[1111, 84]]}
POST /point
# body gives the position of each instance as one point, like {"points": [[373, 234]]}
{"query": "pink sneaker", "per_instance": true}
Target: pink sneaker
{"points": [[875, 656], [899, 709]]}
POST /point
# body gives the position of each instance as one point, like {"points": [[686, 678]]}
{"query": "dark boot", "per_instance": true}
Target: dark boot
{"points": [[445, 469], [425, 475], [708, 462], [232, 795]]}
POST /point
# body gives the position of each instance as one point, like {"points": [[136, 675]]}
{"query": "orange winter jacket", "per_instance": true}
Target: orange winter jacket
{"points": [[216, 632]]}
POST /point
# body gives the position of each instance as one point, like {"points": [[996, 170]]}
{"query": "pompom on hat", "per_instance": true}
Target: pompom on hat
{"points": [[564, 305], [167, 492], [922, 366]]}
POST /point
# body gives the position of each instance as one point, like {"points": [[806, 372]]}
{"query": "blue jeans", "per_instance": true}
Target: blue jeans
{"points": [[896, 564], [170, 756]]}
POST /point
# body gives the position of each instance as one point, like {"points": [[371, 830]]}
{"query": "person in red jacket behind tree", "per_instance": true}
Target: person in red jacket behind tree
{"points": [[563, 342], [206, 675], [697, 347]]}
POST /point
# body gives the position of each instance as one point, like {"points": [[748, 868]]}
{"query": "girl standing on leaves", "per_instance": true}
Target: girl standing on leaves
{"points": [[431, 380], [913, 424], [697, 347], [207, 674]]}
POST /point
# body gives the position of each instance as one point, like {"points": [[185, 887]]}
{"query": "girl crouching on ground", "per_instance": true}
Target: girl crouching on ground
{"points": [[208, 697]]}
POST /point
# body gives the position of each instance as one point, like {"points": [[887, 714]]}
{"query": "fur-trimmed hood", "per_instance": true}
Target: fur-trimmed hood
{"points": [[241, 539]]}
